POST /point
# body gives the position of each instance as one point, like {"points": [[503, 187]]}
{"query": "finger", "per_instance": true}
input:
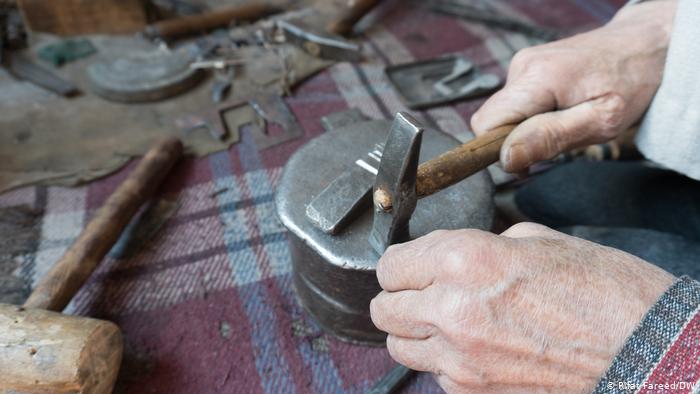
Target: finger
{"points": [[514, 103], [546, 135], [417, 354], [407, 313], [408, 266]]}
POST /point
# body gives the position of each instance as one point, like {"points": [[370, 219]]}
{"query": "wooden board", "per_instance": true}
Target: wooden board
{"points": [[73, 17]]}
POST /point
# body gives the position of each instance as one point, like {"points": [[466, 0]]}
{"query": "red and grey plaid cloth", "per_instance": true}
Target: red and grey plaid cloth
{"points": [[663, 353], [207, 306]]}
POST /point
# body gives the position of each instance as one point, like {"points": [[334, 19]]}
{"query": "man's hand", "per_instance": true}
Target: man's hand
{"points": [[582, 90], [531, 310]]}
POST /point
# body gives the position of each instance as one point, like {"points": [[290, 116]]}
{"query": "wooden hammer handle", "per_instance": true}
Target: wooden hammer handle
{"points": [[66, 277], [210, 20], [356, 9], [461, 162]]}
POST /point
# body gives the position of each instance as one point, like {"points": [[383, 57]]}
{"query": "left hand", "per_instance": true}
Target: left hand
{"points": [[532, 310]]}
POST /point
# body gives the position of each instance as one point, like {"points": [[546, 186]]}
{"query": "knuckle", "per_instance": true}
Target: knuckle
{"points": [[525, 229], [464, 372], [523, 59], [385, 266], [611, 113], [376, 313], [396, 351], [553, 138]]}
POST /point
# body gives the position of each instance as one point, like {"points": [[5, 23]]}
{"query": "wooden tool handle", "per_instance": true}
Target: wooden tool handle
{"points": [[461, 162], [210, 20], [57, 288], [344, 24]]}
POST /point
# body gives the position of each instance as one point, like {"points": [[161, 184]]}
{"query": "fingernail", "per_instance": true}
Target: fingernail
{"points": [[517, 157]]}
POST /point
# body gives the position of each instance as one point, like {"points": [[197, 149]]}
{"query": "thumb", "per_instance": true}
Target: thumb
{"points": [[544, 136]]}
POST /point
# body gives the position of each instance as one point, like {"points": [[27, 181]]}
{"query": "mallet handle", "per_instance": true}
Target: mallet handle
{"points": [[66, 277], [356, 9], [461, 162]]}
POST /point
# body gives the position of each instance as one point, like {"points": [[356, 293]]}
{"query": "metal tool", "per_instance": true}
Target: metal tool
{"points": [[334, 274], [490, 18], [392, 381], [320, 44], [395, 186], [430, 83]]}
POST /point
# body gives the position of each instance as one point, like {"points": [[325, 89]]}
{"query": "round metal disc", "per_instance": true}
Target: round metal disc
{"points": [[143, 76]]}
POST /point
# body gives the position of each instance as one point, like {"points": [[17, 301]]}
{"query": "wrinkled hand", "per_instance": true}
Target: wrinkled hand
{"points": [[582, 90], [531, 310]]}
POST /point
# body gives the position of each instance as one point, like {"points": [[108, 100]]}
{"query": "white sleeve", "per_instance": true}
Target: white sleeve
{"points": [[670, 131]]}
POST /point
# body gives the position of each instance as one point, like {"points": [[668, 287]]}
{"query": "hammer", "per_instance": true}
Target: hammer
{"points": [[44, 351], [400, 182]]}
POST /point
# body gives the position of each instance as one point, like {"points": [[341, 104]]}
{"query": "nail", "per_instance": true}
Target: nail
{"points": [[517, 157]]}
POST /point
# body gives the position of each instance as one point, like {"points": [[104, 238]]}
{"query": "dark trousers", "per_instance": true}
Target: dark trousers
{"points": [[646, 211]]}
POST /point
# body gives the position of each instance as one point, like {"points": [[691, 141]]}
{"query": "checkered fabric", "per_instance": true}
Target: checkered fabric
{"points": [[207, 306]]}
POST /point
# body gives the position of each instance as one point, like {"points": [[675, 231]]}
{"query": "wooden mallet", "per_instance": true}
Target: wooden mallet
{"points": [[42, 350]]}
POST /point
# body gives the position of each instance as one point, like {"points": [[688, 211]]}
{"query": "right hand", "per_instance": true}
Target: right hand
{"points": [[583, 90]]}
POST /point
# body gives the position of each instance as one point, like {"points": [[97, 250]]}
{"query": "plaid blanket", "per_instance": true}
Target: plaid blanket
{"points": [[207, 306]]}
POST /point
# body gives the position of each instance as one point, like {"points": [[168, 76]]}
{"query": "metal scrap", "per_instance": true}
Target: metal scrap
{"points": [[434, 82], [270, 109]]}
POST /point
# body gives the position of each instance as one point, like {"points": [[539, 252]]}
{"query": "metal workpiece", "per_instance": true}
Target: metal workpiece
{"points": [[335, 275], [318, 43], [395, 185], [434, 82]]}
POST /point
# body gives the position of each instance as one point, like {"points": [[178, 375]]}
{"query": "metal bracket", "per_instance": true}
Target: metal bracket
{"points": [[395, 186], [271, 109]]}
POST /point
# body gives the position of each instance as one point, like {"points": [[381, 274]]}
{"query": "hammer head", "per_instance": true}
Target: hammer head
{"points": [[44, 351], [394, 189]]}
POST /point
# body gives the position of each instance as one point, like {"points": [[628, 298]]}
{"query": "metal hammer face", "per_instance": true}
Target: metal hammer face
{"points": [[394, 190]]}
